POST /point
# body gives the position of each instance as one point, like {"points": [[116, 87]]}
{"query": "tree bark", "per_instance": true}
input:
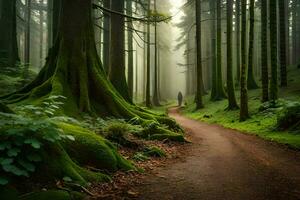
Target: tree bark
{"points": [[130, 49], [244, 112], [213, 51], [8, 39], [251, 80], [264, 52], [148, 71], [283, 46], [199, 101], [106, 35], [232, 104], [238, 40], [117, 50], [220, 93], [155, 91], [274, 49]]}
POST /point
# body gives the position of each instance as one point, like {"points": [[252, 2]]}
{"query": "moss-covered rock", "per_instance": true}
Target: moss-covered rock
{"points": [[289, 117], [154, 151], [154, 131], [92, 149]]}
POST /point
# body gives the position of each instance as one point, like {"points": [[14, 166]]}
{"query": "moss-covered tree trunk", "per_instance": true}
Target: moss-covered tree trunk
{"points": [[220, 93], [130, 49], [106, 35], [199, 101], [251, 83], [244, 112], [274, 49], [8, 35], [264, 52], [283, 41], [117, 50], [74, 70], [238, 40], [232, 104]]}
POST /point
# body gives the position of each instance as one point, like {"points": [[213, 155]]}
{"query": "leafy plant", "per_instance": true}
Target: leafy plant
{"points": [[24, 136]]}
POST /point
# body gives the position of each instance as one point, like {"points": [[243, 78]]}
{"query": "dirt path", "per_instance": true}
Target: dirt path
{"points": [[224, 164]]}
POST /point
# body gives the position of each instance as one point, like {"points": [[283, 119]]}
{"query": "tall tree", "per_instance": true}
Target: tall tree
{"points": [[244, 112], [238, 40], [283, 46], [212, 6], [274, 49], [232, 104], [73, 69], [117, 50], [251, 83], [264, 52], [155, 90], [27, 35], [8, 35], [148, 70], [199, 101], [220, 93], [106, 35], [130, 48]]}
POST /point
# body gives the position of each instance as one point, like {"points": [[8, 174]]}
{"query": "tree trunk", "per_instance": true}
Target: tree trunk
{"points": [[220, 93], [155, 91], [264, 52], [27, 36], [244, 113], [232, 104], [273, 43], [283, 46], [130, 48], [148, 71], [238, 41], [117, 50], [55, 18], [106, 35], [213, 51], [8, 39], [251, 80], [199, 101]]}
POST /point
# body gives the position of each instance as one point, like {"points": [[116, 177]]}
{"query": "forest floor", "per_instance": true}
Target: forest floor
{"points": [[262, 122], [224, 164]]}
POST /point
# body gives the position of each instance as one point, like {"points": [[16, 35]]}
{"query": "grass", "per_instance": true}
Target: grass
{"points": [[262, 124]]}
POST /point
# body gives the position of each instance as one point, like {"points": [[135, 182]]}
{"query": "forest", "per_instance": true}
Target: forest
{"points": [[149, 99]]}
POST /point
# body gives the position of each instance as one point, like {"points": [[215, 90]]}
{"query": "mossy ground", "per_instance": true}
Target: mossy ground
{"points": [[262, 124]]}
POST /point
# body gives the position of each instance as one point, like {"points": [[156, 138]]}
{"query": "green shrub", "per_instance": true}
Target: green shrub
{"points": [[289, 117], [24, 136]]}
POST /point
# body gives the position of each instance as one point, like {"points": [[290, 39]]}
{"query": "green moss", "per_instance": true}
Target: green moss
{"points": [[53, 195], [58, 164], [91, 149], [154, 151], [263, 121]]}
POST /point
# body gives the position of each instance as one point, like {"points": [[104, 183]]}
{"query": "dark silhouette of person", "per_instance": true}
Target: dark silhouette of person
{"points": [[180, 98]]}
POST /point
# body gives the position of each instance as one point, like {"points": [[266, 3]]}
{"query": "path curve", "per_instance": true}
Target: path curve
{"points": [[225, 164]]}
